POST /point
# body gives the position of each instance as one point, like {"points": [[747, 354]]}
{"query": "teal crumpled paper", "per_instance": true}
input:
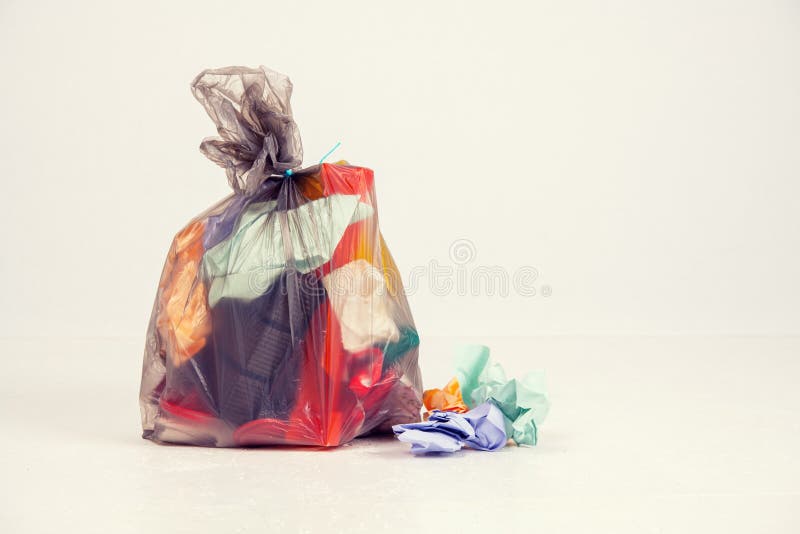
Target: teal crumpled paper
{"points": [[523, 402]]}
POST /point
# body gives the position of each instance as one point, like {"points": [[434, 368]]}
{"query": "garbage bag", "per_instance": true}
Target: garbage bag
{"points": [[280, 315]]}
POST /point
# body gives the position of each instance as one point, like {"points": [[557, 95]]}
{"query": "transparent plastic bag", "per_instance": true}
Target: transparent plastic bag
{"points": [[280, 316]]}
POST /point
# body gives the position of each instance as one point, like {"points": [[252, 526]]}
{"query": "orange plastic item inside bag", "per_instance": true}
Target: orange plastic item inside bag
{"points": [[185, 322]]}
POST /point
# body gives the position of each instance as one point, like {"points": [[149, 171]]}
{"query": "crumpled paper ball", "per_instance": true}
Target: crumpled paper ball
{"points": [[523, 403]]}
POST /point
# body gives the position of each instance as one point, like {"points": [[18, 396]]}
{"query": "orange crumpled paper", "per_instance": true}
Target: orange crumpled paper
{"points": [[448, 399]]}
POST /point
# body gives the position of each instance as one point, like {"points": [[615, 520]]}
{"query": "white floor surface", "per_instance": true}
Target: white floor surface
{"points": [[646, 434]]}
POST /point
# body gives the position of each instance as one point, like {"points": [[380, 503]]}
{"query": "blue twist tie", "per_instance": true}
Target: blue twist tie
{"points": [[330, 152]]}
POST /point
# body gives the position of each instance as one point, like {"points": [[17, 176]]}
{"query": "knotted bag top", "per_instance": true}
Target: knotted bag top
{"points": [[258, 137]]}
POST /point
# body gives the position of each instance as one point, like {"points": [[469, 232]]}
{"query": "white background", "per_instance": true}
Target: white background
{"points": [[643, 156]]}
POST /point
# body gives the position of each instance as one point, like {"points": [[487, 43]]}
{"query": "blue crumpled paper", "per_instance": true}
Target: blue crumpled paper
{"points": [[482, 428]]}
